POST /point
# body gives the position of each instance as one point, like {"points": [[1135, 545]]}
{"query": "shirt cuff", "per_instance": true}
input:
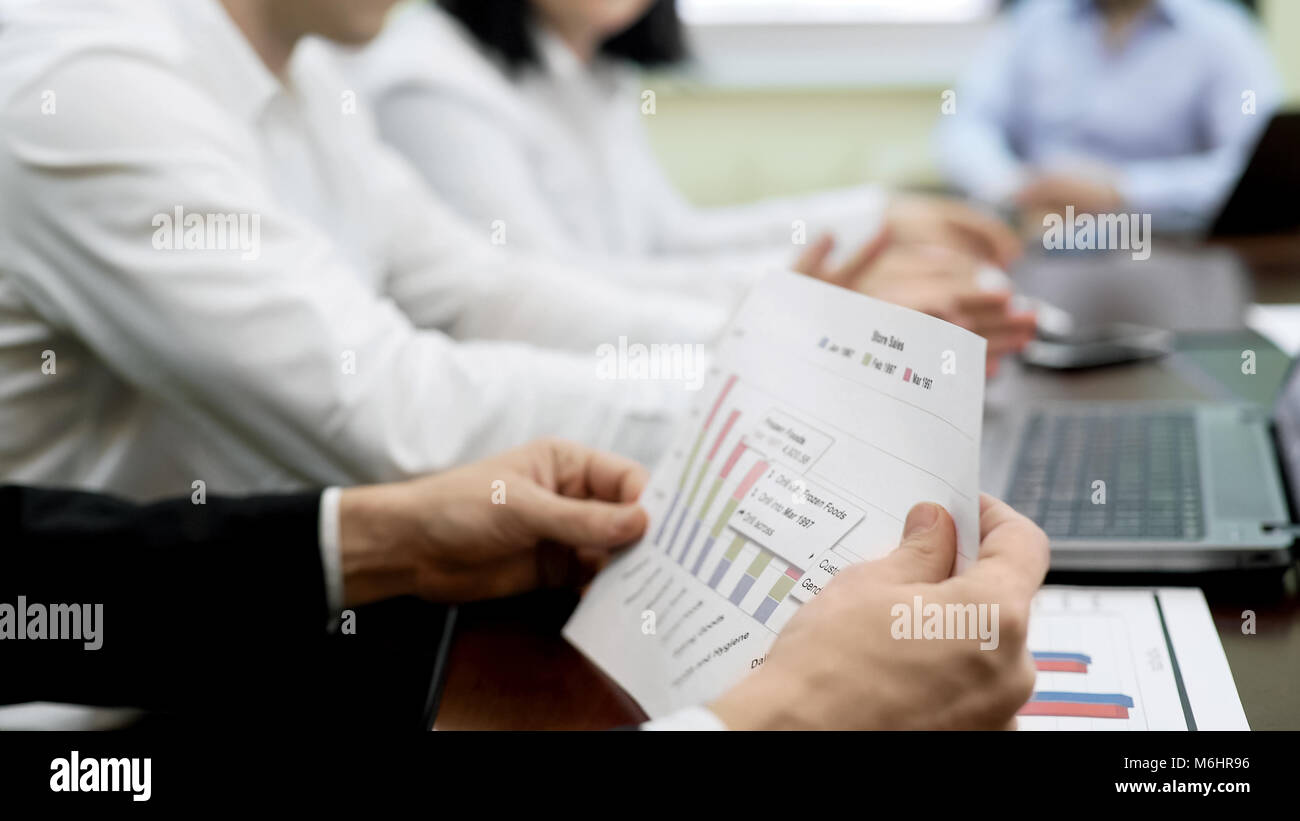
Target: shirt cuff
{"points": [[331, 552], [694, 718]]}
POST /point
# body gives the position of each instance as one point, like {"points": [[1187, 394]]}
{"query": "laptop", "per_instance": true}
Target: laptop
{"points": [[1266, 199], [1182, 486]]}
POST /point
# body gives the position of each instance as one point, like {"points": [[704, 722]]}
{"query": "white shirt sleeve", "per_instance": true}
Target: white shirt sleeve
{"points": [[466, 138], [331, 548], [492, 185], [289, 349], [692, 718], [448, 275], [489, 179]]}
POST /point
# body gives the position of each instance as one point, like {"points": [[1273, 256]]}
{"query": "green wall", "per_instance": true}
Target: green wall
{"points": [[724, 146]]}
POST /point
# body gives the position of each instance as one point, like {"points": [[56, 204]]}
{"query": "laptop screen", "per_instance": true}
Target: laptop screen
{"points": [[1286, 419]]}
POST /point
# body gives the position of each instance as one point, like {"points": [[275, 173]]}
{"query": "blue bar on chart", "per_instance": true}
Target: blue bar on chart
{"points": [[727, 558], [760, 563], [778, 593]]}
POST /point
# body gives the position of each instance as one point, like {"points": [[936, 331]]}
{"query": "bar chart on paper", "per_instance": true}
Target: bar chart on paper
{"points": [[806, 448], [1127, 659]]}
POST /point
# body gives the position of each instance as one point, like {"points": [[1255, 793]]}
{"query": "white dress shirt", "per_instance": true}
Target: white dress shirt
{"points": [[322, 353], [560, 156]]}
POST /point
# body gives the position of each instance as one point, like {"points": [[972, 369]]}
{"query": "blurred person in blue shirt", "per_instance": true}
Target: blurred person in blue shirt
{"points": [[1148, 106]]}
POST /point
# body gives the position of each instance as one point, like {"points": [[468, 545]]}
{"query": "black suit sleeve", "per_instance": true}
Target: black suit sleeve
{"points": [[202, 604]]}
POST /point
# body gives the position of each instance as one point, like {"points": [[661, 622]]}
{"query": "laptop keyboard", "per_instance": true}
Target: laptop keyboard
{"points": [[1148, 462]]}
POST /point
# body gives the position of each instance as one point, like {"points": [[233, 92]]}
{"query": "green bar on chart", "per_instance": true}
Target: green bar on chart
{"points": [[762, 560], [781, 588]]}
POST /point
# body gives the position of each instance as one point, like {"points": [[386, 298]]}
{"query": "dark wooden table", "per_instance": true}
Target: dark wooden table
{"points": [[510, 669]]}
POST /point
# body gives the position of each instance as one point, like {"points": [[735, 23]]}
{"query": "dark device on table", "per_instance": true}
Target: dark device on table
{"points": [[1111, 344], [1121, 305], [1266, 199]]}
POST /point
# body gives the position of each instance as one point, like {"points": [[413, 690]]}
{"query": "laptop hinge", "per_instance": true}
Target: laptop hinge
{"points": [[1275, 527]]}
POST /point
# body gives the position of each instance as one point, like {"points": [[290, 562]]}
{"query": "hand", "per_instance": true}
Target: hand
{"points": [[1051, 193], [836, 665], [933, 222], [814, 261], [987, 313], [944, 284], [952, 224], [934, 280], [550, 513]]}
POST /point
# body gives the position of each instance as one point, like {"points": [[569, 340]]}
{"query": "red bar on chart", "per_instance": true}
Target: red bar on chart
{"points": [[1062, 709], [750, 478]]}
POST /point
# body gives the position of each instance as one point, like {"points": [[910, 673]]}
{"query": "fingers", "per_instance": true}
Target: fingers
{"points": [[582, 523], [937, 264], [995, 238], [864, 258], [927, 551], [550, 565], [1019, 323], [978, 302], [989, 315], [581, 472], [993, 513], [812, 262], [1040, 192], [562, 566], [1013, 550], [1005, 337]]}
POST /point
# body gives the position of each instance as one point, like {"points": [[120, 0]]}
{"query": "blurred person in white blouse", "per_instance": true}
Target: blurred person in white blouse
{"points": [[528, 115]]}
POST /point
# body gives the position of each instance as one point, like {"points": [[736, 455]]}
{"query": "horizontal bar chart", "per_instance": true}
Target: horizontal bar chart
{"points": [[1077, 705], [1050, 662]]}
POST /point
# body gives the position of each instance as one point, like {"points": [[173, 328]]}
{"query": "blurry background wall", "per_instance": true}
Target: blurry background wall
{"points": [[751, 133]]}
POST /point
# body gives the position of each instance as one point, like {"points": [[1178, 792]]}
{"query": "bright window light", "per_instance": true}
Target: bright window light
{"points": [[716, 12]]}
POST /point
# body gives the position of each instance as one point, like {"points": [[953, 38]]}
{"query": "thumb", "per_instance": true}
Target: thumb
{"points": [[582, 522], [927, 551], [812, 261]]}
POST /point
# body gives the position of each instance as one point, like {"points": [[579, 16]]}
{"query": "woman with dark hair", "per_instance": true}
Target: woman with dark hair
{"points": [[529, 112], [526, 116], [647, 32]]}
